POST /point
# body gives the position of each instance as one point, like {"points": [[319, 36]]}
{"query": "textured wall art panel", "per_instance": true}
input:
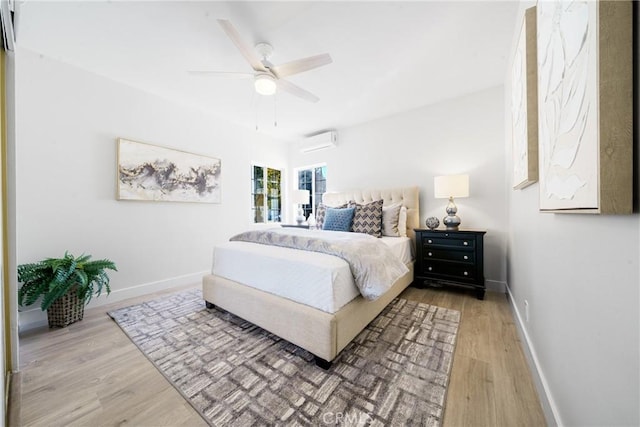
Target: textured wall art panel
{"points": [[151, 172], [585, 106], [524, 105]]}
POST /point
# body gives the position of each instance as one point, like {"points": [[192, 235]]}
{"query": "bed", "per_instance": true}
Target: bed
{"points": [[323, 332]]}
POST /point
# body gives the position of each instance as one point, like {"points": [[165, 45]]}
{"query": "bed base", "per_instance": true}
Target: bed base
{"points": [[320, 333], [320, 362]]}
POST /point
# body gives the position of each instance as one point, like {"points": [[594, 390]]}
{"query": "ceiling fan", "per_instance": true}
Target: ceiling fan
{"points": [[268, 77]]}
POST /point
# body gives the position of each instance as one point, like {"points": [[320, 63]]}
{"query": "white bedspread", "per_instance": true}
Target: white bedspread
{"points": [[314, 279], [317, 280], [374, 267], [402, 248]]}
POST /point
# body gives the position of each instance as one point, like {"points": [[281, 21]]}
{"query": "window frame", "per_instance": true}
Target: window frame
{"points": [[310, 207], [266, 208]]}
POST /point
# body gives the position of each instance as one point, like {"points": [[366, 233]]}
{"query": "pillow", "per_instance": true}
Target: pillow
{"points": [[402, 222], [390, 219], [338, 219], [367, 218], [320, 213]]}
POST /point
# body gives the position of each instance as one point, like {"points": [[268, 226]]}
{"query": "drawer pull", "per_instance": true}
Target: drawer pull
{"points": [[431, 268], [466, 273], [466, 257], [429, 241], [465, 243], [430, 254]]}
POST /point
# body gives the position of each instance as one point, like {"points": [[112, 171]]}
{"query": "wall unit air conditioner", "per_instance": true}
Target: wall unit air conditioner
{"points": [[319, 142]]}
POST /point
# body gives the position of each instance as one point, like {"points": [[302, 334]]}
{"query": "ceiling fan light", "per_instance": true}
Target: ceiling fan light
{"points": [[265, 84]]}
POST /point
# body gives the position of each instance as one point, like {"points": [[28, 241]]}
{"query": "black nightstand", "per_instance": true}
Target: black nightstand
{"points": [[295, 225], [446, 257]]}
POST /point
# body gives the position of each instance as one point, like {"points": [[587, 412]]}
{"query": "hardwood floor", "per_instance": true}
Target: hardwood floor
{"points": [[490, 382], [91, 374]]}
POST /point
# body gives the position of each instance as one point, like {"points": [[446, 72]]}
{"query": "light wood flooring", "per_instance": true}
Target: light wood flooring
{"points": [[91, 374]]}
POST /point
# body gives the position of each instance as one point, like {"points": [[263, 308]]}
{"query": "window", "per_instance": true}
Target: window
{"points": [[313, 179], [266, 196]]}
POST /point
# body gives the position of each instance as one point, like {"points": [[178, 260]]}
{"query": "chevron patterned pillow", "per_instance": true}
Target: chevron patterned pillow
{"points": [[368, 218]]}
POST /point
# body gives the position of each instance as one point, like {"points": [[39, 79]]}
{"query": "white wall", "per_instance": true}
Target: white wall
{"points": [[463, 135], [580, 275], [67, 122]]}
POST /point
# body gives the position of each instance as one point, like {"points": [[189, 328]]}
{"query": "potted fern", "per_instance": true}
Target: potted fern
{"points": [[65, 284]]}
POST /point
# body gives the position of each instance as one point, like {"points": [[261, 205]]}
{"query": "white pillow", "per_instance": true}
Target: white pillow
{"points": [[391, 220], [402, 222]]}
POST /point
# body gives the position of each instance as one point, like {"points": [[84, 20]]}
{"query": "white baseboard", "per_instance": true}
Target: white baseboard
{"points": [[549, 407], [34, 318], [147, 288]]}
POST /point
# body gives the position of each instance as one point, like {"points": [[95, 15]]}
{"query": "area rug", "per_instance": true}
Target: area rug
{"points": [[232, 372]]}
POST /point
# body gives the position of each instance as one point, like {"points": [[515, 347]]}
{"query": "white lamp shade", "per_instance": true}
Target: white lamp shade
{"points": [[451, 186], [265, 84], [300, 197]]}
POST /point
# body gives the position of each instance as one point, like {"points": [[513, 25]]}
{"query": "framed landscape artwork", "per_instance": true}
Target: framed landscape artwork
{"points": [[585, 100], [151, 172], [524, 105]]}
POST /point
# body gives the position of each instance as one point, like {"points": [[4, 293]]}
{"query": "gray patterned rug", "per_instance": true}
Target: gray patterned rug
{"points": [[234, 373]]}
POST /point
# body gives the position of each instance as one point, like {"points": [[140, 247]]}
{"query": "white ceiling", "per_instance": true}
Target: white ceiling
{"points": [[388, 57]]}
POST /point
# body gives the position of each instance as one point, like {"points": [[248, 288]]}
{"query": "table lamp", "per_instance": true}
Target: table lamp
{"points": [[448, 187], [300, 197]]}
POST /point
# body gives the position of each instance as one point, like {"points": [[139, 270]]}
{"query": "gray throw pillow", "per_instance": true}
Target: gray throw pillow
{"points": [[391, 220]]}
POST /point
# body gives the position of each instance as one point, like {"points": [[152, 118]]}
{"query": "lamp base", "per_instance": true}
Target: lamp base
{"points": [[452, 222], [300, 217]]}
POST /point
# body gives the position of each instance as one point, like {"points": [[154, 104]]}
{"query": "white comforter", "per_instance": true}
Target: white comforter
{"points": [[374, 267]]}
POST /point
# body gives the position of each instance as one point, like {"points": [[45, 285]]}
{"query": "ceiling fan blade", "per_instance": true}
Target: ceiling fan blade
{"points": [[226, 74], [300, 65], [296, 90], [245, 49]]}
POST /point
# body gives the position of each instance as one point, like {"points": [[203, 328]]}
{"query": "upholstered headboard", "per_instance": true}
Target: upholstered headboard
{"points": [[408, 196]]}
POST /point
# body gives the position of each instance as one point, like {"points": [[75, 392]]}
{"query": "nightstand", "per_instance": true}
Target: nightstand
{"points": [[455, 258], [295, 225]]}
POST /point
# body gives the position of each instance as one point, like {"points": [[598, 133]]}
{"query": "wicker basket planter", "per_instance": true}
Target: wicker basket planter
{"points": [[63, 285], [65, 310]]}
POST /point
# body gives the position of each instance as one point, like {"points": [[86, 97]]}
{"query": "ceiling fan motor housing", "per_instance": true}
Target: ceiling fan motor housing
{"points": [[264, 50]]}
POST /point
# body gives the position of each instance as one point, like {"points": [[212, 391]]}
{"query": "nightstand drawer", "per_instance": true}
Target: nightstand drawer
{"points": [[429, 253], [459, 271], [449, 242]]}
